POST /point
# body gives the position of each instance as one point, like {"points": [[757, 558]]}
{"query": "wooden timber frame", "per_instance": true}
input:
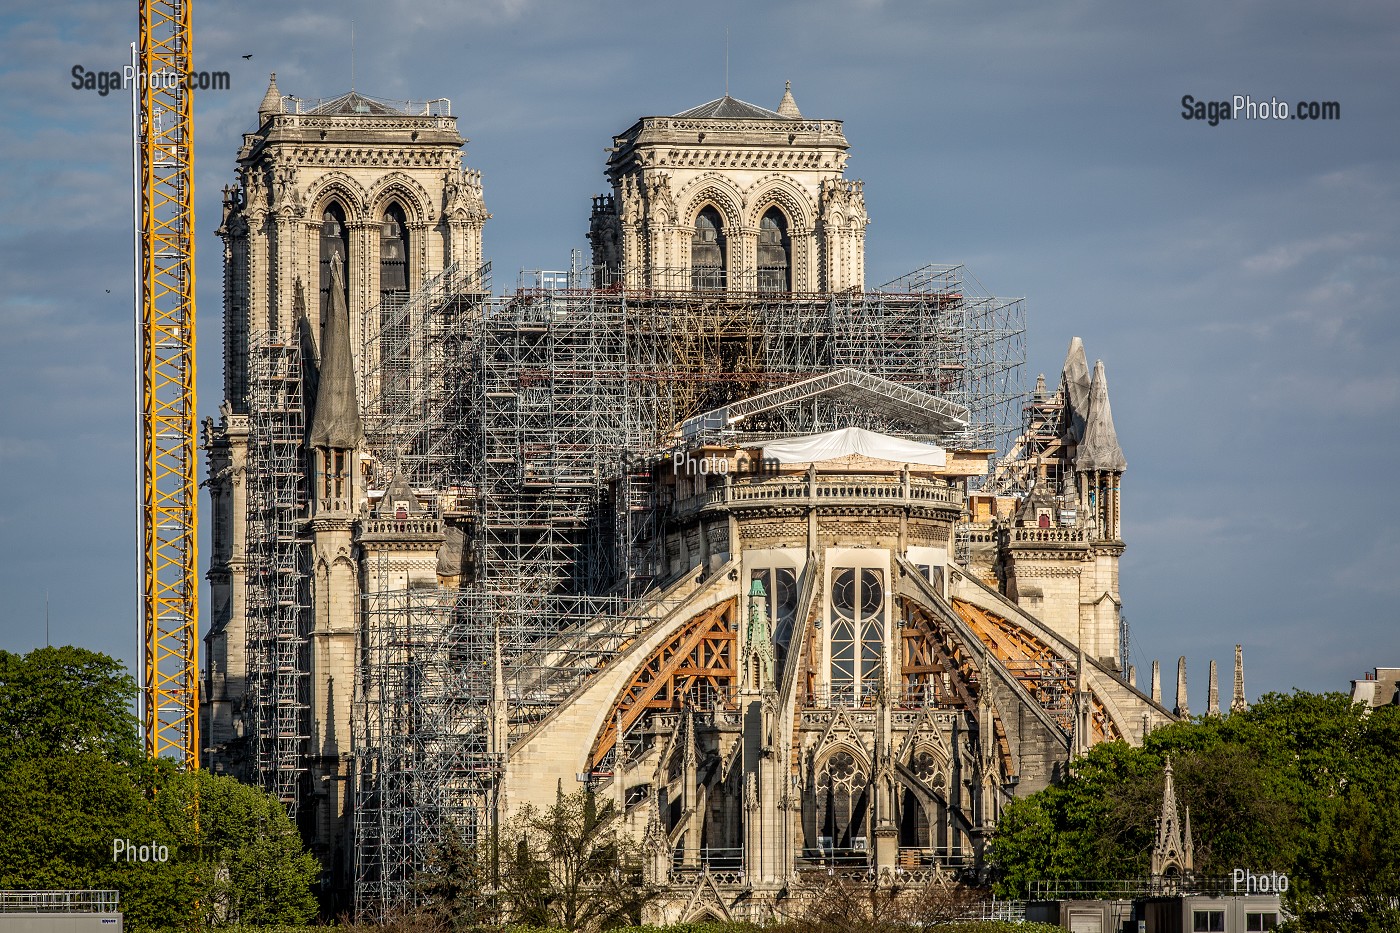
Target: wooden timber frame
{"points": [[696, 663]]}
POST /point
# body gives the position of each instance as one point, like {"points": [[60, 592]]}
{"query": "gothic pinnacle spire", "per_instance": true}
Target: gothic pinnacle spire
{"points": [[788, 107], [1074, 381], [1156, 682], [1172, 856], [1238, 704], [1213, 696], [1098, 449], [1183, 709], [336, 422], [272, 100]]}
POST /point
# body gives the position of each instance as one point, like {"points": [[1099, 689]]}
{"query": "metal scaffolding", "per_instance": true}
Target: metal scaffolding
{"points": [[277, 713], [527, 420]]}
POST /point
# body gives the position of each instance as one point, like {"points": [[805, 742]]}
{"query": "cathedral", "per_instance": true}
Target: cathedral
{"points": [[707, 525]]}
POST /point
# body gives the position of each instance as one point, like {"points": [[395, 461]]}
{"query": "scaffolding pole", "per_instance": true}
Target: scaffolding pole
{"points": [[278, 598]]}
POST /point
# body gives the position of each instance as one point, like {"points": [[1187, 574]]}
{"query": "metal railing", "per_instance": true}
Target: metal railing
{"points": [[59, 902], [1123, 888]]}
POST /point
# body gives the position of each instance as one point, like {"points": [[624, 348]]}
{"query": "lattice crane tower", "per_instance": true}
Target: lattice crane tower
{"points": [[163, 131]]}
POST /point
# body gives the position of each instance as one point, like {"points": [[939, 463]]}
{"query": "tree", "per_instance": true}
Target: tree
{"points": [[66, 700], [64, 814], [1300, 783], [1348, 882], [75, 789], [244, 854], [566, 866], [457, 885]]}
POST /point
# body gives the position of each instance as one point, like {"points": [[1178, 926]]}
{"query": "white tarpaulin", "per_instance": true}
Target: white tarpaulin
{"points": [[847, 441]]}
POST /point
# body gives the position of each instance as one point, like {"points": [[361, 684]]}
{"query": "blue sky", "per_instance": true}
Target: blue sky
{"points": [[1241, 282]]}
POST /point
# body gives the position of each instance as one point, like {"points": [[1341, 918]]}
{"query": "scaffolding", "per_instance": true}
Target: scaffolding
{"points": [[278, 598], [528, 421], [412, 368]]}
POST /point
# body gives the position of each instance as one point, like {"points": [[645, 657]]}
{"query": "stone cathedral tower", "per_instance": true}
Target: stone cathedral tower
{"points": [[342, 208], [732, 196]]}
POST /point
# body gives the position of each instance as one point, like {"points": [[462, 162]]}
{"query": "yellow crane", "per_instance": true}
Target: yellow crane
{"points": [[163, 141]]}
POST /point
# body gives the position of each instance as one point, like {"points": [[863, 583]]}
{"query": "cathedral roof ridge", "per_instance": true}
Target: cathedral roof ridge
{"points": [[731, 108]]}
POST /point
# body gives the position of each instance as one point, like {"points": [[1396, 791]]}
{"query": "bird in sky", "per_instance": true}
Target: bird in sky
{"points": [[248, 56]]}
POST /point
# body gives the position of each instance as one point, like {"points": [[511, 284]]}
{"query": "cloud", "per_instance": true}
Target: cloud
{"points": [[23, 448], [1287, 255]]}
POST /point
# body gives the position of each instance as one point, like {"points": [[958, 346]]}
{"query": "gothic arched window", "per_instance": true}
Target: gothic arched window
{"points": [[707, 251], [393, 296], [335, 241], [393, 254], [774, 253], [842, 797], [857, 634]]}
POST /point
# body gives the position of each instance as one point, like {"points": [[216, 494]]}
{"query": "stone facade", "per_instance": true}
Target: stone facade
{"points": [[771, 188], [820, 684], [381, 193]]}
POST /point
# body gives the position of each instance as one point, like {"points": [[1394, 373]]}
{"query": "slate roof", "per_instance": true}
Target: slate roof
{"points": [[730, 108], [353, 104]]}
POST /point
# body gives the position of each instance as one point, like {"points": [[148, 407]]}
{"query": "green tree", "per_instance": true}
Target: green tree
{"points": [[458, 887], [63, 815], [60, 700], [566, 866], [1302, 783], [243, 853], [75, 789]]}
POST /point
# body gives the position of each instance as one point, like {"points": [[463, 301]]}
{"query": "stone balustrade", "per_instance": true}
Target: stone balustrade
{"points": [[824, 491]]}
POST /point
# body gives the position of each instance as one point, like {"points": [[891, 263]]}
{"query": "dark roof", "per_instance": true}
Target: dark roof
{"points": [[356, 104], [731, 108]]}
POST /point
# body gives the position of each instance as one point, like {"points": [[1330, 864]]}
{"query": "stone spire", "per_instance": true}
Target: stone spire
{"points": [[336, 423], [1172, 855], [1156, 681], [1213, 696], [1238, 704], [1074, 379], [757, 661], [1082, 739], [272, 100], [788, 107], [1182, 708], [1099, 450]]}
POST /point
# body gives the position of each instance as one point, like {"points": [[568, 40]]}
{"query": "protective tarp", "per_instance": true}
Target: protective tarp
{"points": [[847, 441], [1099, 448], [336, 422]]}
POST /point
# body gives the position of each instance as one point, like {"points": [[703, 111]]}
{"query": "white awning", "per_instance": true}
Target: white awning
{"points": [[847, 441]]}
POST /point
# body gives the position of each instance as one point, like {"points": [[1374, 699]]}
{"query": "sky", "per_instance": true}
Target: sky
{"points": [[1241, 282]]}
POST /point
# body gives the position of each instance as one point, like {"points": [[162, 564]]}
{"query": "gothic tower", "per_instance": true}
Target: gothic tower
{"points": [[1060, 549], [342, 209], [730, 196]]}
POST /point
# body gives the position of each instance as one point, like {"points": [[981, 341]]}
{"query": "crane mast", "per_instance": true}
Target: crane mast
{"points": [[164, 180]]}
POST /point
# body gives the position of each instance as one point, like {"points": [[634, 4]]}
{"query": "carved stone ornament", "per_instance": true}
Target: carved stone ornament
{"points": [[463, 195]]}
